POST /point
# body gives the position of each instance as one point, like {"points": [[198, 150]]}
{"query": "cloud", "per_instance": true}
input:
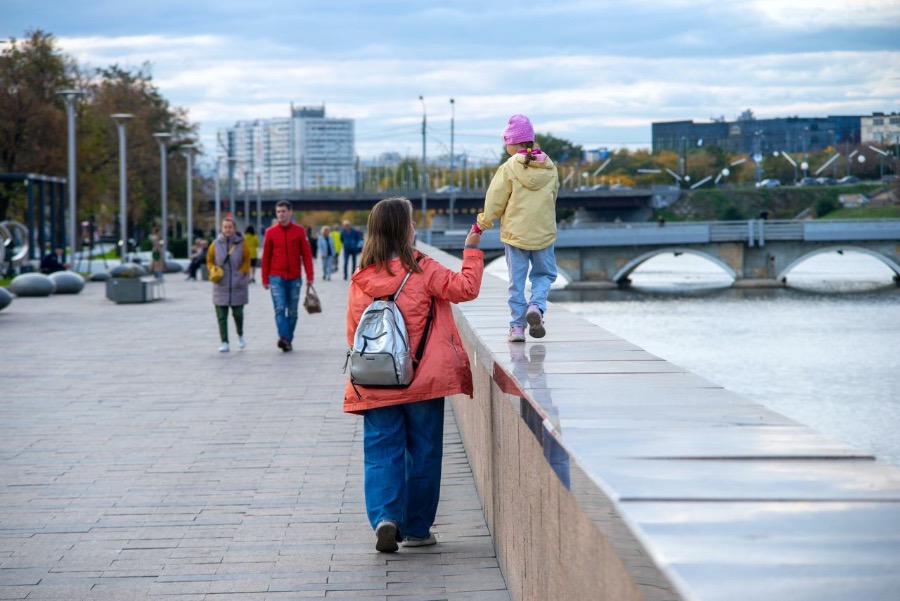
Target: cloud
{"points": [[595, 72]]}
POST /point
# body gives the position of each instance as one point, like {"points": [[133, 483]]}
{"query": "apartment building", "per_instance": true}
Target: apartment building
{"points": [[751, 135], [881, 129], [305, 151]]}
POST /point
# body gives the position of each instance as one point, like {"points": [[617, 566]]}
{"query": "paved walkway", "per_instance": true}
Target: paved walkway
{"points": [[138, 462]]}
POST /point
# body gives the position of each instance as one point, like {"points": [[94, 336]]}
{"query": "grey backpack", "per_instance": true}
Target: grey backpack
{"points": [[380, 355]]}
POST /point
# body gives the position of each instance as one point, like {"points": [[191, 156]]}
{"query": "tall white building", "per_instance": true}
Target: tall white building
{"points": [[307, 151]]}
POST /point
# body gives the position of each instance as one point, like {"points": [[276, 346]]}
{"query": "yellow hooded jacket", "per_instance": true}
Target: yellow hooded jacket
{"points": [[525, 202]]}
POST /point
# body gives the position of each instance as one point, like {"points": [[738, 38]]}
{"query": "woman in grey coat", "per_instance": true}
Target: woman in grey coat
{"points": [[229, 252]]}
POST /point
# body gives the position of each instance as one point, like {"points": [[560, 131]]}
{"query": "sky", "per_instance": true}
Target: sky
{"points": [[597, 72]]}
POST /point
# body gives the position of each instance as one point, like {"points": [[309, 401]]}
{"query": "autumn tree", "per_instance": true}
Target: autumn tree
{"points": [[33, 133], [32, 114]]}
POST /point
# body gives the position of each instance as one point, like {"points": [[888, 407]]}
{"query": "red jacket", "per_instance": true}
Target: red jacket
{"points": [[285, 248], [444, 369]]}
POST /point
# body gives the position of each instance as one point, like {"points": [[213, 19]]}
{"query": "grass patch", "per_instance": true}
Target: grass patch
{"points": [[886, 212]]}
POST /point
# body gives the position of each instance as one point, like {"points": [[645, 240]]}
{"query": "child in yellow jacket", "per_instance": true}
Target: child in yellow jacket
{"points": [[522, 195]]}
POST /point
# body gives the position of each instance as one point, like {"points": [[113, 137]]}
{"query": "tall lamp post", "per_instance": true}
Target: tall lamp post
{"points": [[218, 195], [452, 185], [258, 204], [70, 97], [161, 139], [245, 171], [424, 176], [188, 150], [121, 119]]}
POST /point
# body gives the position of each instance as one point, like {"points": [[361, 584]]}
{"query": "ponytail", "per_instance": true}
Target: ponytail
{"points": [[529, 146]]}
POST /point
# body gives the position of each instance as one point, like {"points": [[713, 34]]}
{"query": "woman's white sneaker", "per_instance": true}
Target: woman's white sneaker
{"points": [[224, 348], [415, 541]]}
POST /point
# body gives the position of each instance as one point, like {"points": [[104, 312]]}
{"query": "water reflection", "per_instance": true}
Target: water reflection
{"points": [[528, 370]]}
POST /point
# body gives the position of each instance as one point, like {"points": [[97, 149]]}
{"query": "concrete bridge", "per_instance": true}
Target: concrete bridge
{"points": [[754, 252], [597, 205]]}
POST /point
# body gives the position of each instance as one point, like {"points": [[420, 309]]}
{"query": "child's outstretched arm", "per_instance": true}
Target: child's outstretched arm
{"points": [[495, 200]]}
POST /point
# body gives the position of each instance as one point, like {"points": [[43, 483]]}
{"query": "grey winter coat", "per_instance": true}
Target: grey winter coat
{"points": [[231, 290]]}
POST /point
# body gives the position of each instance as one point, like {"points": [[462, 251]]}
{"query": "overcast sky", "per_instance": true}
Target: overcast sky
{"points": [[594, 72]]}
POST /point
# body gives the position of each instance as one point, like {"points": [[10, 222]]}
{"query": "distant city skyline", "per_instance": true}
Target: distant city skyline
{"points": [[595, 73]]}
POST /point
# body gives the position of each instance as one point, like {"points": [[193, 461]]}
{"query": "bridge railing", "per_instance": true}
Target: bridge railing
{"points": [[754, 232]]}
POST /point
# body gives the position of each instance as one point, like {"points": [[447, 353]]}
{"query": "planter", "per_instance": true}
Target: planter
{"points": [[133, 290]]}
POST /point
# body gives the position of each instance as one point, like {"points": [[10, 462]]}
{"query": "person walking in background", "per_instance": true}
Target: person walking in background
{"points": [[157, 253], [352, 239], [403, 427], [230, 252], [326, 251], [252, 242], [522, 194], [198, 257], [336, 242], [285, 249]]}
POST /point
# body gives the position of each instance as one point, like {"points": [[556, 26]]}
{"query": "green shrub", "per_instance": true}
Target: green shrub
{"points": [[825, 206]]}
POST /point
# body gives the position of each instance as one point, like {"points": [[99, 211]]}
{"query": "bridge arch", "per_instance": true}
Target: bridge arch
{"points": [[891, 264], [633, 264]]}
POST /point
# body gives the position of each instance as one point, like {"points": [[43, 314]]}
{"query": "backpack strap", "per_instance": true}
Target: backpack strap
{"points": [[421, 350]]}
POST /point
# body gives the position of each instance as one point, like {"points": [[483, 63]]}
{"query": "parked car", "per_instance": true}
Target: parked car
{"points": [[768, 183], [826, 181], [447, 189], [619, 187], [848, 179], [808, 181]]}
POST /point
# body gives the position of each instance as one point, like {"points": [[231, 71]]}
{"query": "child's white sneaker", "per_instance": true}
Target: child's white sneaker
{"points": [[516, 334]]}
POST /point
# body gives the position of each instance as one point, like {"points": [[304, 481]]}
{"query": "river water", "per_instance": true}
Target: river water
{"points": [[824, 351]]}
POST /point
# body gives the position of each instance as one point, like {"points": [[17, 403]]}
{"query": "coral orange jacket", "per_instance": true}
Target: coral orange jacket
{"points": [[444, 369]]}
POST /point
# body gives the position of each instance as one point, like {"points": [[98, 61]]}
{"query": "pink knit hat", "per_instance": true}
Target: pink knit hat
{"points": [[518, 130]]}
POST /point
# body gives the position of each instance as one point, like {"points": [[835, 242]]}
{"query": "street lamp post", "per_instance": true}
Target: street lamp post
{"points": [[70, 97], [218, 195], [189, 150], [121, 119], [881, 154], [452, 185], [246, 171], [258, 204], [161, 139], [424, 176]]}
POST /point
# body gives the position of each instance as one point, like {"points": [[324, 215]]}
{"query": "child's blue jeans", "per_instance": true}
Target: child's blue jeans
{"points": [[543, 274]]}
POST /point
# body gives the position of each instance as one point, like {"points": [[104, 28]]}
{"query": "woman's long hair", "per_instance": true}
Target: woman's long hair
{"points": [[390, 234]]}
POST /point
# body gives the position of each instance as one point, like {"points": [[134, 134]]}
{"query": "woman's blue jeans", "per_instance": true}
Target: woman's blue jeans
{"points": [[285, 298], [543, 274], [404, 446]]}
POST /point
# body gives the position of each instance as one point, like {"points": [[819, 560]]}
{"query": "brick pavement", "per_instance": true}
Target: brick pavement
{"points": [[137, 462]]}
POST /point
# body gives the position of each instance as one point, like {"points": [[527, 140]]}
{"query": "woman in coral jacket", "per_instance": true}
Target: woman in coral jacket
{"points": [[403, 427]]}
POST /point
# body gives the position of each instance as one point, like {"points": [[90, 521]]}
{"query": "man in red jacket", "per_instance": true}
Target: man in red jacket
{"points": [[284, 249]]}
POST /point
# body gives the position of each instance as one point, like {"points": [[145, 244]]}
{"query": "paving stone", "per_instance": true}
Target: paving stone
{"points": [[137, 462]]}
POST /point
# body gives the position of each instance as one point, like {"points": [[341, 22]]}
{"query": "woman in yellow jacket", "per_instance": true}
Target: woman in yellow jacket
{"points": [[403, 426], [229, 251], [252, 242]]}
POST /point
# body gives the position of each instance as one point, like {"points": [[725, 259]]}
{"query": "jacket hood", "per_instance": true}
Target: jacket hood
{"points": [[539, 172], [377, 282]]}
